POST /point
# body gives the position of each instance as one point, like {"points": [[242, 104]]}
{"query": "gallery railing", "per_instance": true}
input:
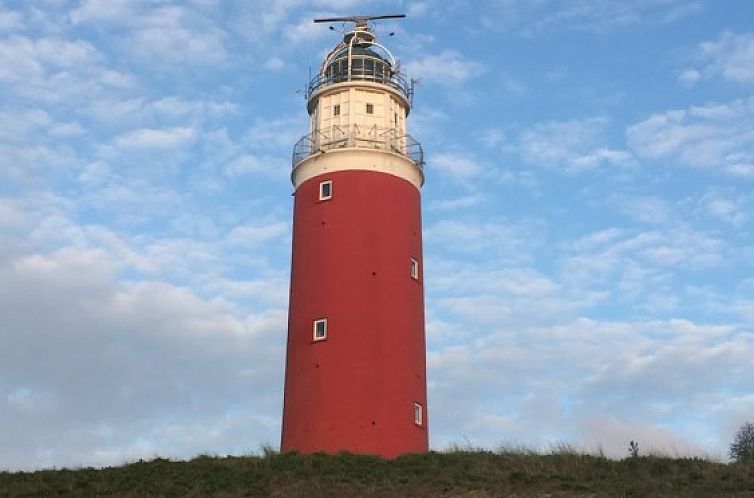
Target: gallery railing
{"points": [[359, 137], [395, 80]]}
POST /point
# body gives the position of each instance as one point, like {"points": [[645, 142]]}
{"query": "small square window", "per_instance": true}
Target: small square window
{"points": [[319, 332], [370, 108], [325, 190], [414, 269], [336, 110], [418, 415]]}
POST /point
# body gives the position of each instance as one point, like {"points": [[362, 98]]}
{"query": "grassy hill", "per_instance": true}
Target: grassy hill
{"points": [[458, 473]]}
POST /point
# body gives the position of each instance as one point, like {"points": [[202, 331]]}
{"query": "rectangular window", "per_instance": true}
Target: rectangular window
{"points": [[336, 110], [395, 118], [418, 415], [414, 268], [370, 108], [325, 190], [320, 329]]}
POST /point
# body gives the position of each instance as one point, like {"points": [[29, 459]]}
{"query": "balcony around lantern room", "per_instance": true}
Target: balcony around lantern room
{"points": [[358, 137]]}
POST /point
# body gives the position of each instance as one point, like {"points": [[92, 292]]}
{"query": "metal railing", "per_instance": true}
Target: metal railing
{"points": [[395, 80], [358, 137]]}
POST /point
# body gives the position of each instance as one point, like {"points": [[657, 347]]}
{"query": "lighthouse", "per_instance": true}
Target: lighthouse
{"points": [[355, 374]]}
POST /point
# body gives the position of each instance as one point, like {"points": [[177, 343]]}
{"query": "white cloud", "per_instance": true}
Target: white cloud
{"points": [[118, 357], [133, 366], [249, 163], [58, 53], [612, 433], [16, 124], [278, 132], [574, 145], [150, 138], [166, 39], [689, 77], [25, 162], [730, 56], [158, 34], [24, 125], [531, 17], [493, 137], [457, 166], [274, 64], [711, 136], [644, 208], [10, 21], [669, 247], [303, 31], [55, 70], [726, 206], [417, 9], [116, 11], [639, 269], [456, 204], [23, 60], [597, 383], [500, 238], [509, 281], [254, 235], [511, 85], [446, 68], [745, 308], [428, 122], [116, 79]]}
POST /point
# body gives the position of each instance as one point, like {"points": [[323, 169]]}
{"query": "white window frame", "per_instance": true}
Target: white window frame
{"points": [[322, 196], [414, 268], [418, 414], [324, 330]]}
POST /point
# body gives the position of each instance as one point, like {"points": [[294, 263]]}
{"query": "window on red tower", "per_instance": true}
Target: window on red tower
{"points": [[319, 332], [325, 190], [418, 414], [414, 269]]}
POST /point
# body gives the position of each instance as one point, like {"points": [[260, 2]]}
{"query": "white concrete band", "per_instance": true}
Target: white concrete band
{"points": [[360, 160]]}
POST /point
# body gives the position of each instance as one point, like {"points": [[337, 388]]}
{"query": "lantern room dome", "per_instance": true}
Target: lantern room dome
{"points": [[355, 60], [357, 63]]}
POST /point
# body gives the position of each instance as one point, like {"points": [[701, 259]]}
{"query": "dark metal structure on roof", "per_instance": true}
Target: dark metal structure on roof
{"points": [[359, 57]]}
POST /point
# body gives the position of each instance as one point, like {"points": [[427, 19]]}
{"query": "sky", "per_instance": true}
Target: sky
{"points": [[588, 221]]}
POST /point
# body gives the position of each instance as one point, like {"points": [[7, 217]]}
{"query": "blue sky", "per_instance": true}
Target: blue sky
{"points": [[589, 257]]}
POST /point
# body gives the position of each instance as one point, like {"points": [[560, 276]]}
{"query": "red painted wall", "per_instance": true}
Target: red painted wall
{"points": [[356, 390]]}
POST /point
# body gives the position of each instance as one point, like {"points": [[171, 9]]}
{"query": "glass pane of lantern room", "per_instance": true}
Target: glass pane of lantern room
{"points": [[379, 71], [357, 68], [342, 70], [369, 68]]}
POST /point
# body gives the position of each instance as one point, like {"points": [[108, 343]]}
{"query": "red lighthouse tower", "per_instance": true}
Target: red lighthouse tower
{"points": [[355, 377]]}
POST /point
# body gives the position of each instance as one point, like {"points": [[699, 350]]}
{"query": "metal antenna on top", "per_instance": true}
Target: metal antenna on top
{"points": [[361, 30], [360, 21]]}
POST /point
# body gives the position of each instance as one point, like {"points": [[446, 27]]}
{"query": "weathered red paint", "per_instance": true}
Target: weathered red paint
{"points": [[356, 390]]}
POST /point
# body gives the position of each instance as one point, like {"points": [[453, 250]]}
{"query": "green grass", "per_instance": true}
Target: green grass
{"points": [[468, 473]]}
